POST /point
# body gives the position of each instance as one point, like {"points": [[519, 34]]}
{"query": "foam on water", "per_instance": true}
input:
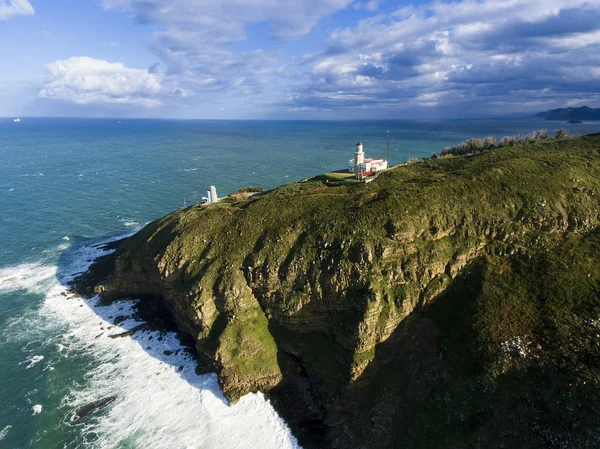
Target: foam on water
{"points": [[4, 432], [33, 277], [33, 360], [141, 390]]}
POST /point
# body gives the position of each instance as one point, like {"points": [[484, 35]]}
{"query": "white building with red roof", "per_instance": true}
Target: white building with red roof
{"points": [[364, 167]]}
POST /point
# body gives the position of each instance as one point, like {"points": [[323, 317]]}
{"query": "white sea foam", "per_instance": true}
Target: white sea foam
{"points": [[32, 361], [4, 432], [159, 401], [56, 249], [36, 409], [32, 277], [129, 223]]}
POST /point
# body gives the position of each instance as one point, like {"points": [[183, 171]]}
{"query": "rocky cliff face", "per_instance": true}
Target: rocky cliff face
{"points": [[320, 295]]}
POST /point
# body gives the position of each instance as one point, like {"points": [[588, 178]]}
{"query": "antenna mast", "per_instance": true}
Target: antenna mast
{"points": [[387, 152]]}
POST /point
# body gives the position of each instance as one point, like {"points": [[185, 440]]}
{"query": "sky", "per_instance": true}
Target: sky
{"points": [[297, 59]]}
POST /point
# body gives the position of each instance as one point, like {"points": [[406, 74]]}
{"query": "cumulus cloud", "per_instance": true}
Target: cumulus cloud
{"points": [[225, 20], [461, 55], [10, 8], [497, 53], [197, 42], [84, 80], [371, 5]]}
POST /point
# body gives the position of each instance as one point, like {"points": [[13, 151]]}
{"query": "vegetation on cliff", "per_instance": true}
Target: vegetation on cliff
{"points": [[451, 302], [479, 145]]}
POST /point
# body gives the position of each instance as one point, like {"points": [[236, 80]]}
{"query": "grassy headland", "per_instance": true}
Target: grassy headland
{"points": [[452, 302]]}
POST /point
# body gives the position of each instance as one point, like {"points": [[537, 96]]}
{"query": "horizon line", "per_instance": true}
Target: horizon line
{"points": [[523, 115]]}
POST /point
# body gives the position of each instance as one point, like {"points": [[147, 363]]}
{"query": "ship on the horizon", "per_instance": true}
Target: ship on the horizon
{"points": [[17, 120]]}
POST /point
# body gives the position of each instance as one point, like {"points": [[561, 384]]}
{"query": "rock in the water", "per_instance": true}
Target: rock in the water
{"points": [[92, 407]]}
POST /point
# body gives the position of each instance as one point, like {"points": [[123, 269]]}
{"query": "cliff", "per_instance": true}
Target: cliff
{"points": [[449, 303]]}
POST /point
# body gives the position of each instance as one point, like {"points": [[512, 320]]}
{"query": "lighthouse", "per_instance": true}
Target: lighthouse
{"points": [[212, 195], [359, 158], [364, 167]]}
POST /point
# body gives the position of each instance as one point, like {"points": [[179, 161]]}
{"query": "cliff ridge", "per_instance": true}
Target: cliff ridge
{"points": [[413, 311]]}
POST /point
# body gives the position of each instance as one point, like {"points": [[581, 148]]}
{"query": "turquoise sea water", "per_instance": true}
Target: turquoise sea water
{"points": [[66, 184]]}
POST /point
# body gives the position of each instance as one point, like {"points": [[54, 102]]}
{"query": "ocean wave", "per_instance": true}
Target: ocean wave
{"points": [[31, 277], [56, 249], [5, 431], [32, 361], [140, 389]]}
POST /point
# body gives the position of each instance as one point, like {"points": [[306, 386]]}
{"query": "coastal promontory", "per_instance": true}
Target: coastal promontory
{"points": [[451, 303], [571, 115]]}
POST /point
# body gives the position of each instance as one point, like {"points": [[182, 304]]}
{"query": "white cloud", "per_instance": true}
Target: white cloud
{"points": [[84, 80], [226, 19], [441, 53], [372, 5], [10, 8], [460, 52], [194, 38]]}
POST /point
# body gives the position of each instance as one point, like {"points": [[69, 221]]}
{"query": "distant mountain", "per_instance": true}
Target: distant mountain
{"points": [[582, 113]]}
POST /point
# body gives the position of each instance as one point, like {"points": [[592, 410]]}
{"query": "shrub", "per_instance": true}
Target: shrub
{"points": [[489, 142], [236, 197], [249, 190], [478, 145], [560, 133], [472, 146], [508, 141]]}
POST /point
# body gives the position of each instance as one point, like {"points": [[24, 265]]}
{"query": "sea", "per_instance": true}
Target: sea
{"points": [[69, 185]]}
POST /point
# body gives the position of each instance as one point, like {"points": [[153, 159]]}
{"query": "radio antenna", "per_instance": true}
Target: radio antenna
{"points": [[387, 152]]}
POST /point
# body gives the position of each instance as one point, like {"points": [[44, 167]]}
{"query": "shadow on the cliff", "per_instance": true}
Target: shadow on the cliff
{"points": [[315, 367], [150, 326]]}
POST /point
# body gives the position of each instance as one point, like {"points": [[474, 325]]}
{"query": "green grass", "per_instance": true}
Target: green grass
{"points": [[545, 297], [475, 250], [247, 350], [339, 177]]}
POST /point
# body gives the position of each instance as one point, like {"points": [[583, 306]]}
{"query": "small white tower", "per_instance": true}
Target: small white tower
{"points": [[359, 158], [359, 155], [212, 194]]}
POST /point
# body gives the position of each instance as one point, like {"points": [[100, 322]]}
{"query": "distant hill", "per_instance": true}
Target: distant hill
{"points": [[582, 113]]}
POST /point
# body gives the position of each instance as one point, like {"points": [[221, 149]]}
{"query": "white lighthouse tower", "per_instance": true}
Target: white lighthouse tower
{"points": [[212, 195], [359, 158], [364, 167]]}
